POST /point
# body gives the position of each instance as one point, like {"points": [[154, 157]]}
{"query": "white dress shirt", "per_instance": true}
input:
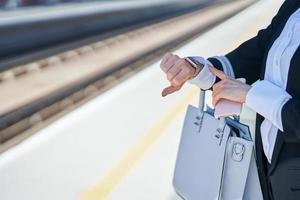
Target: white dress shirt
{"points": [[267, 96]]}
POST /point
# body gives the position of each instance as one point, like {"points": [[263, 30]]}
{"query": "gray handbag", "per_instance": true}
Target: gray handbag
{"points": [[215, 160]]}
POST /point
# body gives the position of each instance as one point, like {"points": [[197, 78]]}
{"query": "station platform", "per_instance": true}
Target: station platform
{"points": [[123, 143]]}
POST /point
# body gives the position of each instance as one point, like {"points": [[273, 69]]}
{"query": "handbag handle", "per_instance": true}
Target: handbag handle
{"points": [[201, 101], [201, 105]]}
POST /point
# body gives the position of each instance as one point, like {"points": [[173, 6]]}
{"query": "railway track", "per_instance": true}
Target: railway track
{"points": [[49, 31], [35, 94]]}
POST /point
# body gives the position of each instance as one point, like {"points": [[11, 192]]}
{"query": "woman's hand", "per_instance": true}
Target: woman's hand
{"points": [[178, 71], [228, 88]]}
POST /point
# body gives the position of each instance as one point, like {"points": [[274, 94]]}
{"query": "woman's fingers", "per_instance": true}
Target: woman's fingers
{"points": [[218, 73], [170, 90], [173, 71], [164, 59], [177, 70], [217, 95], [228, 88], [225, 82], [181, 77], [232, 90], [219, 84], [176, 82], [168, 61]]}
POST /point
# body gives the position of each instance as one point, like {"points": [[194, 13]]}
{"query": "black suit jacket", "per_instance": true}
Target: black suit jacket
{"points": [[281, 179]]}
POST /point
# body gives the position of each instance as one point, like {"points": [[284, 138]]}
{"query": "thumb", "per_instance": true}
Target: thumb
{"points": [[169, 90], [218, 73]]}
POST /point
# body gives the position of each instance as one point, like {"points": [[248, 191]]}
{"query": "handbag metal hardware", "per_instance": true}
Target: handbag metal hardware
{"points": [[220, 130], [238, 151], [199, 121], [220, 135]]}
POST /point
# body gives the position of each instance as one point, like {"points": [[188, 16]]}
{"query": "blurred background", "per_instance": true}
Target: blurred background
{"points": [[81, 112], [11, 4]]}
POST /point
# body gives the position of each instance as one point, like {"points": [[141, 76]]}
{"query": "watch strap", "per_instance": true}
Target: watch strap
{"points": [[196, 64]]}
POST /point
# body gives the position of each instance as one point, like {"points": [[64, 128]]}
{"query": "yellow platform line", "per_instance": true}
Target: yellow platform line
{"points": [[105, 186]]}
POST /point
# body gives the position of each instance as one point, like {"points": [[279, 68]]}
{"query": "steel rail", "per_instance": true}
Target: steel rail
{"points": [[27, 38]]}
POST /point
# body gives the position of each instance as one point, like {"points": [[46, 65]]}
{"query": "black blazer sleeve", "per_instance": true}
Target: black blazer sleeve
{"points": [[246, 60]]}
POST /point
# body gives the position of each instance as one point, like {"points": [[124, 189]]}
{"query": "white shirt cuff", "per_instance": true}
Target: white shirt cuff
{"points": [[205, 79], [267, 99]]}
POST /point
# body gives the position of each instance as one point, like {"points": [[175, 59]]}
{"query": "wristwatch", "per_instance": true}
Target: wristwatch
{"points": [[196, 64]]}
